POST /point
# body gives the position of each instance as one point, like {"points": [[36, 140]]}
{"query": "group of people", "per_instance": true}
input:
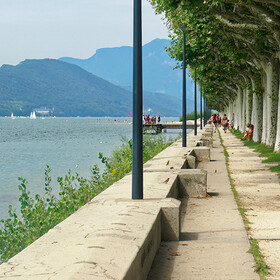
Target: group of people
{"points": [[151, 120], [216, 120]]}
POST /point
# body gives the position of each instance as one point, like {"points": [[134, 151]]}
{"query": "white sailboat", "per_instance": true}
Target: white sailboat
{"points": [[12, 116], [33, 115]]}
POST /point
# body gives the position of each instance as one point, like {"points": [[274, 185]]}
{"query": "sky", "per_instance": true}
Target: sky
{"points": [[35, 29]]}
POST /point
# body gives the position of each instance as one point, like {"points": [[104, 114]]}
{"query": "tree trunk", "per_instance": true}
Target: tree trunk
{"points": [[277, 142], [239, 109], [243, 114], [256, 114], [264, 128], [248, 106], [270, 101], [235, 112], [259, 117], [230, 111], [274, 104], [256, 118], [269, 105]]}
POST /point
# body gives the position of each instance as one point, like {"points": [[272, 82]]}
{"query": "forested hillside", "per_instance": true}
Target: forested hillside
{"points": [[70, 90]]}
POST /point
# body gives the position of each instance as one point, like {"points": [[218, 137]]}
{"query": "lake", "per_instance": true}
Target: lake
{"points": [[27, 146]]}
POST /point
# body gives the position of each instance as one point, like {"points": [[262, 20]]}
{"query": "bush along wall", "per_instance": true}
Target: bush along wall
{"points": [[38, 214]]}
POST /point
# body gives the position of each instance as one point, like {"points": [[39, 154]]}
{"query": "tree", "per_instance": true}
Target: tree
{"points": [[234, 45]]}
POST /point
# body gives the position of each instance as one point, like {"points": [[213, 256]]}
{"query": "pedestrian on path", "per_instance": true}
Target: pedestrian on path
{"points": [[225, 123], [215, 121]]}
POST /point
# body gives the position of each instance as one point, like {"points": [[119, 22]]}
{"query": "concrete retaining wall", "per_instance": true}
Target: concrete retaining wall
{"points": [[113, 237]]}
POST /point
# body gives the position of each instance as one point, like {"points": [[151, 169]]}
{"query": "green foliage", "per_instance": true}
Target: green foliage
{"points": [[41, 213], [275, 169], [120, 162], [190, 116], [225, 42], [261, 267]]}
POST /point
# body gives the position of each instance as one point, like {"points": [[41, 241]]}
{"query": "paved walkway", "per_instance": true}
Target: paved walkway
{"points": [[214, 243], [259, 192]]}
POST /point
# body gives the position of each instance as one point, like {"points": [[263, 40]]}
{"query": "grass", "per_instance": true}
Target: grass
{"points": [[260, 266]]}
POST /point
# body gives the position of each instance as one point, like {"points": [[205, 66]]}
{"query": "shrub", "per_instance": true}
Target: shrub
{"points": [[41, 213]]}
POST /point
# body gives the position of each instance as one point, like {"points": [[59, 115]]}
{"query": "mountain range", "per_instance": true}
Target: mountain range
{"points": [[98, 86], [71, 91], [116, 66]]}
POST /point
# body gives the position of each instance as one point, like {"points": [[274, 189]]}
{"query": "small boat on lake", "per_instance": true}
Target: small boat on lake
{"points": [[33, 115], [12, 116]]}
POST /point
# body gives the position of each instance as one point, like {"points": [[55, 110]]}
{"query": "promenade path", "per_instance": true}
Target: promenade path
{"points": [[213, 243], [259, 191]]}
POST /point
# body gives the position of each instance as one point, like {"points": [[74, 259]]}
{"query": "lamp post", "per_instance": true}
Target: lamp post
{"points": [[137, 133], [195, 104], [184, 98], [201, 103]]}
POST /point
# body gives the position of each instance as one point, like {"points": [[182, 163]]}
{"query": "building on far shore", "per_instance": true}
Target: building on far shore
{"points": [[44, 111]]}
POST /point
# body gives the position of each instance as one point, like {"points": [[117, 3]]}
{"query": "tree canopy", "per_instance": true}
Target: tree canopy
{"points": [[227, 41]]}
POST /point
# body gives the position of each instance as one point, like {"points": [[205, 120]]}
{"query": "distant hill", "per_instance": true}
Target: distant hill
{"points": [[158, 102], [115, 65], [71, 91]]}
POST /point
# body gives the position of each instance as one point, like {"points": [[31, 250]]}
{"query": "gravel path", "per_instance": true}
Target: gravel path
{"points": [[259, 192], [213, 241]]}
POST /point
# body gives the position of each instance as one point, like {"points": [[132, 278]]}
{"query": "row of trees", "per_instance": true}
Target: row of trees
{"points": [[235, 47]]}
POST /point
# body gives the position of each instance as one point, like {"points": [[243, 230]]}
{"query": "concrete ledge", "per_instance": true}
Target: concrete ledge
{"points": [[207, 142], [170, 220], [110, 242], [201, 153], [193, 183], [207, 134], [113, 237], [190, 162]]}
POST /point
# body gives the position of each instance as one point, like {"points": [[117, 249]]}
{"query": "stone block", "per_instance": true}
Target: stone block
{"points": [[173, 191], [190, 162], [207, 142], [207, 134], [199, 143], [140, 266], [209, 130], [193, 183], [201, 153], [170, 219]]}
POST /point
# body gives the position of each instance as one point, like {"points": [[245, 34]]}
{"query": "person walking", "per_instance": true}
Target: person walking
{"points": [[215, 121], [225, 123]]}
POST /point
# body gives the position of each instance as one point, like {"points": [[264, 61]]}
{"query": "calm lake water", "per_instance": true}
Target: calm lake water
{"points": [[27, 146]]}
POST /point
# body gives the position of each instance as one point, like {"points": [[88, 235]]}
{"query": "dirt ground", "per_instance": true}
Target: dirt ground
{"points": [[259, 191]]}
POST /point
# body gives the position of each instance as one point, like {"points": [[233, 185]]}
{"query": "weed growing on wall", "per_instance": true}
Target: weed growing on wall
{"points": [[41, 213]]}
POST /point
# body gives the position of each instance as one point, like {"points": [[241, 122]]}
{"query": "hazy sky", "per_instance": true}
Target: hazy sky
{"points": [[76, 28]]}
